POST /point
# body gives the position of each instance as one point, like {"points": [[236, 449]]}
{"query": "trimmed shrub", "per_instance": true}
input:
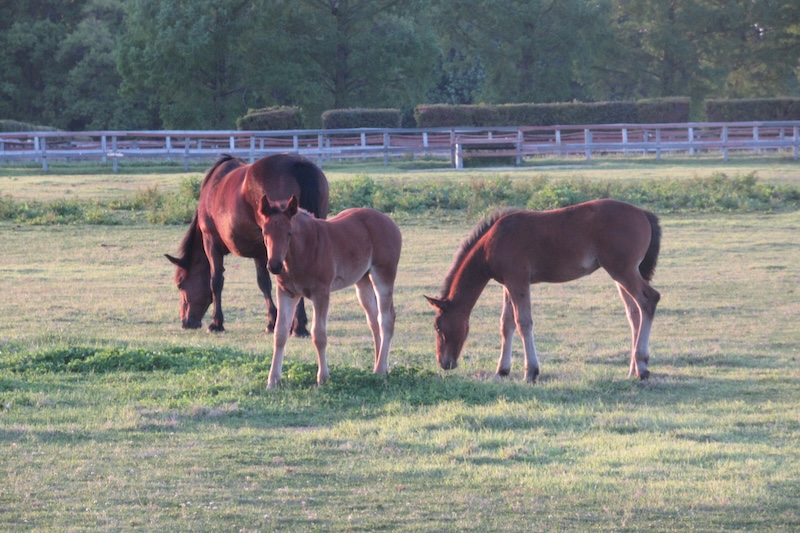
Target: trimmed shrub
{"points": [[662, 110], [335, 119], [16, 125], [753, 109], [566, 113], [272, 118]]}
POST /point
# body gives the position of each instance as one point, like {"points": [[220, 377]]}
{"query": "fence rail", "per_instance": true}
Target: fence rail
{"points": [[455, 144]]}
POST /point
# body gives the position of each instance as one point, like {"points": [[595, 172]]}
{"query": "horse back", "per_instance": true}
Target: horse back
{"points": [[280, 176], [565, 244]]}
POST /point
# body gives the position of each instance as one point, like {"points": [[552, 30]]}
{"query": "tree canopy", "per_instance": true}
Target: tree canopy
{"points": [[200, 64]]}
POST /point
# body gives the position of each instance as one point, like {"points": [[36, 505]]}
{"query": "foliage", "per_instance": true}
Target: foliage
{"points": [[718, 193], [200, 64]]}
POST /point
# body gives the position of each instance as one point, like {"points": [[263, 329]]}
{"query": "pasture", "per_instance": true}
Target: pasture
{"points": [[113, 417]]}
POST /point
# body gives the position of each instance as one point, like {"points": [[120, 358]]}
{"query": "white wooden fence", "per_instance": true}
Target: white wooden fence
{"points": [[455, 144]]}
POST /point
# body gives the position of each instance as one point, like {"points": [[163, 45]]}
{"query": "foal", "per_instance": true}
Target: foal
{"points": [[519, 248], [312, 258]]}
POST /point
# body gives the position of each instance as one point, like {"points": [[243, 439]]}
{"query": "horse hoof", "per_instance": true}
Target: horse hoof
{"points": [[503, 372], [213, 328], [300, 333], [531, 376]]}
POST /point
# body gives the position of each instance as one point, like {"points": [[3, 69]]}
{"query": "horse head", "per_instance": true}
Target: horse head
{"points": [[276, 227], [195, 290], [452, 328]]}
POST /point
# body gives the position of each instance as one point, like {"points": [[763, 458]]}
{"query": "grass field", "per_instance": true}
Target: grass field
{"points": [[113, 418]]}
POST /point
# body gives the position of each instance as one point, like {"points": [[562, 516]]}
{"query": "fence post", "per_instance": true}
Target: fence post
{"points": [[520, 140], [186, 154], [44, 153], [320, 144], [691, 140], [587, 139], [796, 136], [625, 140], [756, 150], [558, 142], [725, 143], [252, 148], [103, 147], [386, 141], [658, 144], [116, 155], [363, 146]]}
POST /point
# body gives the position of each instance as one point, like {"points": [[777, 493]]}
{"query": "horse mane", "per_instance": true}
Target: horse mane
{"points": [[224, 158], [186, 247], [469, 243]]}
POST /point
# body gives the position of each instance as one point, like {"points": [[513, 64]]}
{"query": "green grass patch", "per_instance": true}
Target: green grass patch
{"points": [[114, 418]]}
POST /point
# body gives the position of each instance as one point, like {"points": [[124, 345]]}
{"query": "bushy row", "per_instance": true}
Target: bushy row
{"points": [[718, 193]]}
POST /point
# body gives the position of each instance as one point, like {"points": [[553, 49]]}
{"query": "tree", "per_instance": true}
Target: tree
{"points": [[30, 36], [531, 50], [361, 53], [196, 57]]}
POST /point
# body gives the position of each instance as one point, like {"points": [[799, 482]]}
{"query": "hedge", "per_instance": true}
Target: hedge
{"points": [[646, 111], [272, 118], [361, 118], [753, 109]]}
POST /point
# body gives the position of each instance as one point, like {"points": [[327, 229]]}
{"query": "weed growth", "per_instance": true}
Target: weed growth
{"points": [[715, 194]]}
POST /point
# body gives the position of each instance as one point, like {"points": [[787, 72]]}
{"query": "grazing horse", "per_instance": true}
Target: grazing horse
{"points": [[518, 248], [312, 258], [225, 222]]}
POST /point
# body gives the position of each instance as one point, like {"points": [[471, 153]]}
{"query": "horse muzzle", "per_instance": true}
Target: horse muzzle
{"points": [[276, 267], [448, 364]]}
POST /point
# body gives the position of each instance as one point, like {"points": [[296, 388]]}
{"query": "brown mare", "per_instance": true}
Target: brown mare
{"points": [[312, 258], [225, 222], [518, 248]]}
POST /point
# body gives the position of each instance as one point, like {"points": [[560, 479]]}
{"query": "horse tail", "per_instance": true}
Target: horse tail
{"points": [[648, 265], [313, 187]]}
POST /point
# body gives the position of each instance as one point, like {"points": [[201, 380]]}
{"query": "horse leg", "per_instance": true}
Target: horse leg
{"points": [[217, 281], [507, 335], [521, 302], [286, 304], [368, 301], [300, 323], [265, 284], [383, 285], [640, 301], [319, 334]]}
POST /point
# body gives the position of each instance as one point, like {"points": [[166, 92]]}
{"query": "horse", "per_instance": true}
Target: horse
{"points": [[518, 248], [312, 258], [225, 222]]}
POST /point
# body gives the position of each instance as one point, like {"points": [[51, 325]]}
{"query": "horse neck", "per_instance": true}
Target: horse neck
{"points": [[468, 281]]}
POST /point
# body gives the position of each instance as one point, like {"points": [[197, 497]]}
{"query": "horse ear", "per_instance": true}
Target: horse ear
{"points": [[263, 205], [441, 305], [175, 261], [292, 206]]}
